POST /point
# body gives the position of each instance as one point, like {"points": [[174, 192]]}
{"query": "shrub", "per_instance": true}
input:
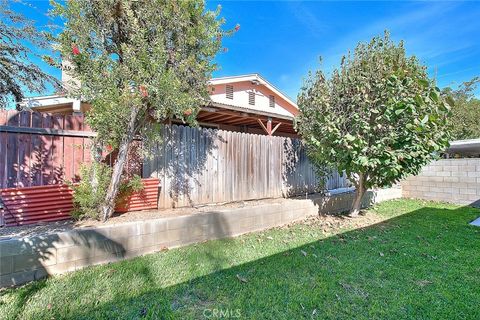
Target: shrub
{"points": [[88, 199]]}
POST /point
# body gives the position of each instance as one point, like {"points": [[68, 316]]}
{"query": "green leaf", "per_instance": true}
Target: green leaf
{"points": [[423, 82], [349, 137], [363, 160], [450, 101], [418, 100], [425, 119]]}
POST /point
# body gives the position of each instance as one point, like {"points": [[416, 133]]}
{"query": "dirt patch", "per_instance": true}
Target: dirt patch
{"points": [[332, 223]]}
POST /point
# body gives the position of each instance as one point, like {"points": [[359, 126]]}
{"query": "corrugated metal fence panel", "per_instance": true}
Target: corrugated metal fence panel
{"points": [[145, 199], [22, 206], [199, 166], [34, 204]]}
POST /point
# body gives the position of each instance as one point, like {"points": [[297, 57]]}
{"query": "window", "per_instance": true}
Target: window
{"points": [[251, 98], [271, 101], [229, 91]]}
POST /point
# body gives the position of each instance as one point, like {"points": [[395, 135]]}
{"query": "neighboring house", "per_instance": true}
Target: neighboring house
{"points": [[469, 148], [246, 103]]}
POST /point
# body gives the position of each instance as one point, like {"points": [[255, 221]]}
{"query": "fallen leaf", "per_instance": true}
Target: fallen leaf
{"points": [[304, 253], [242, 279], [423, 283]]}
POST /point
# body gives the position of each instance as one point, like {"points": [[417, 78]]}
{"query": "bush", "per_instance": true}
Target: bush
{"points": [[86, 199]]}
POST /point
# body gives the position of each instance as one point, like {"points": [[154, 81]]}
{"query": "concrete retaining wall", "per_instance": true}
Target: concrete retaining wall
{"points": [[27, 259], [449, 180]]}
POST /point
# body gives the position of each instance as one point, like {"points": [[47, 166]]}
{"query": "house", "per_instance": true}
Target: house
{"points": [[246, 103]]}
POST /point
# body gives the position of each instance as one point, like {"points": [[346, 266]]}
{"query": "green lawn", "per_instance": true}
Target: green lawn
{"points": [[422, 262]]}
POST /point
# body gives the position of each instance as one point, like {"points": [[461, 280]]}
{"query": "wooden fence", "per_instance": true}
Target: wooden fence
{"points": [[195, 166], [200, 166], [40, 149]]}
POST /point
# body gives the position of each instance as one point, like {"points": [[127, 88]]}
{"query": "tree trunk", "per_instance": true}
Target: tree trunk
{"points": [[112, 192], [96, 152], [359, 192]]}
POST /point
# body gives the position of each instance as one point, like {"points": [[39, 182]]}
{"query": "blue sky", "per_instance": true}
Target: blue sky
{"points": [[282, 40]]}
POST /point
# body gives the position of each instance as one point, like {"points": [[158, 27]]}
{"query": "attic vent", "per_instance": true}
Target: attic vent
{"points": [[229, 91], [271, 101], [251, 98]]}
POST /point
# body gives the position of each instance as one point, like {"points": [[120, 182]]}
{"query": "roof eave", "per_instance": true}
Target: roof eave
{"points": [[250, 111]]}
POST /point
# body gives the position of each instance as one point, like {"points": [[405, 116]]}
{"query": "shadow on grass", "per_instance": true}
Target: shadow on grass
{"points": [[25, 293], [423, 264]]}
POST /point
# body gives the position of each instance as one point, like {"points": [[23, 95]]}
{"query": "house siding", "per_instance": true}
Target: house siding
{"points": [[262, 98]]}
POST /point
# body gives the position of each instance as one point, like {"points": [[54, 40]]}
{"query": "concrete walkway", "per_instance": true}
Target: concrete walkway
{"points": [[476, 222]]}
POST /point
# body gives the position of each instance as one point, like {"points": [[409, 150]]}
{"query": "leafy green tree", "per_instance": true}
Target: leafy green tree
{"points": [[138, 62], [378, 117], [18, 35], [464, 120]]}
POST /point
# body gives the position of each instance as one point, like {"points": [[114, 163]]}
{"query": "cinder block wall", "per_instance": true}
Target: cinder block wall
{"points": [[449, 180], [25, 259]]}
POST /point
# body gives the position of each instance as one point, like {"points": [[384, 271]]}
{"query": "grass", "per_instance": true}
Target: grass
{"points": [[405, 259]]}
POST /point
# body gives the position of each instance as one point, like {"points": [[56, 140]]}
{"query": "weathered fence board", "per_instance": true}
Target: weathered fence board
{"points": [[199, 166], [41, 149]]}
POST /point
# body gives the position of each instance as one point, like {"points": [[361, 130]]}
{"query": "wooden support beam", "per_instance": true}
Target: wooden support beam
{"points": [[276, 127], [269, 126], [252, 115], [210, 117], [262, 125], [242, 121], [48, 131], [226, 119]]}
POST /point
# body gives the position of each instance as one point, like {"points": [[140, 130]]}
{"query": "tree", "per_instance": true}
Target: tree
{"points": [[378, 117], [138, 62], [465, 117], [17, 37]]}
